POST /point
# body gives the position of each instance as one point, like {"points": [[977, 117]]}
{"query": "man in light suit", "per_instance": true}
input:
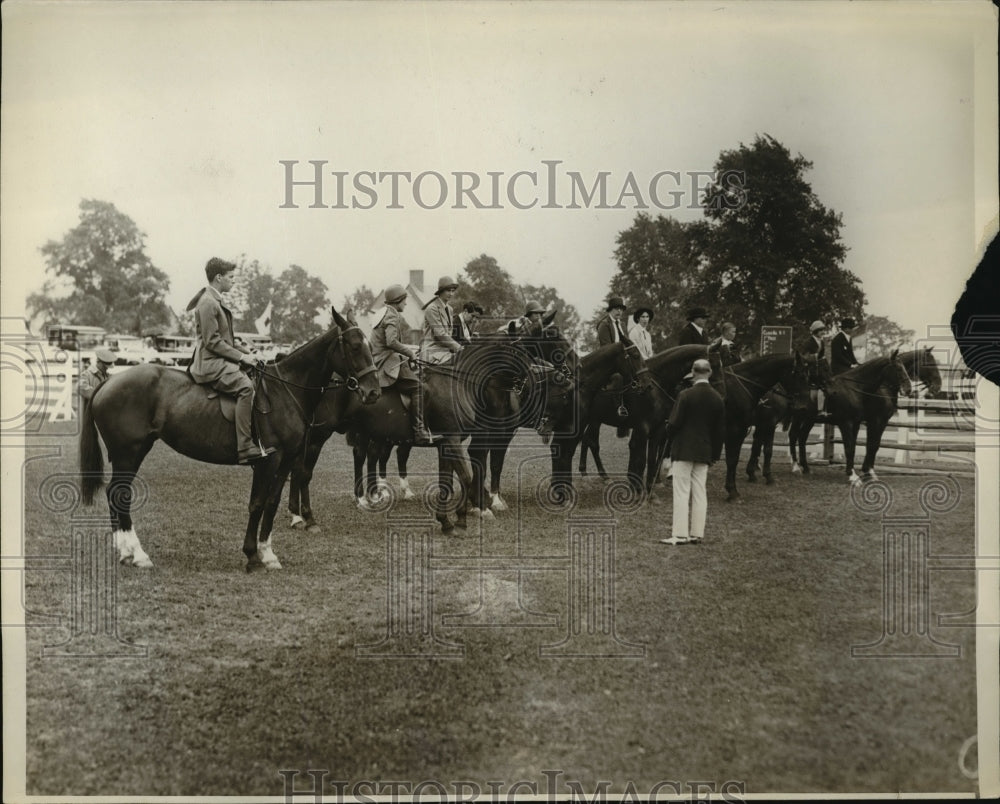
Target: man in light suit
{"points": [[697, 429], [392, 355], [437, 344], [218, 361]]}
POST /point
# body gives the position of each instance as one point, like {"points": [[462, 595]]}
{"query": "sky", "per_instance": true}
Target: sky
{"points": [[181, 115]]}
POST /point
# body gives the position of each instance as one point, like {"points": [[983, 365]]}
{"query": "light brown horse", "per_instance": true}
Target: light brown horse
{"points": [[134, 409]]}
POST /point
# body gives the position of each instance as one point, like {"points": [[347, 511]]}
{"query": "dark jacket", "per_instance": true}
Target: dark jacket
{"points": [[810, 347], [841, 353], [697, 425], [605, 331], [689, 334], [458, 331]]}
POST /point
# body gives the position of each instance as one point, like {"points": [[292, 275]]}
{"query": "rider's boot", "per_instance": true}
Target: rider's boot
{"points": [[422, 437]]}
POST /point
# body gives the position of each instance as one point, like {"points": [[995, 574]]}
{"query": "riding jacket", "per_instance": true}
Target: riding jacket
{"points": [[216, 352]]}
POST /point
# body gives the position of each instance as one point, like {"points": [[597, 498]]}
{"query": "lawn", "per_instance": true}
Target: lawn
{"points": [[735, 656]]}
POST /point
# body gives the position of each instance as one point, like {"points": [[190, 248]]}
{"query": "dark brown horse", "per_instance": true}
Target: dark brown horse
{"points": [[867, 393], [571, 401], [645, 412], [134, 409], [506, 400]]}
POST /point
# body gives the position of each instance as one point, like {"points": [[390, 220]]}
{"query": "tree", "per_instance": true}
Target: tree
{"points": [[361, 301], [658, 265], [100, 275], [299, 300], [490, 286], [253, 289], [772, 251], [884, 335]]}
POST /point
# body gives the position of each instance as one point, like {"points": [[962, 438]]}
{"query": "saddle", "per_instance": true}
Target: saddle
{"points": [[259, 419]]}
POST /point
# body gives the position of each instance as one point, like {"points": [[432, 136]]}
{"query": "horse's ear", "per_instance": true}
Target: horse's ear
{"points": [[338, 319], [547, 318], [894, 355]]}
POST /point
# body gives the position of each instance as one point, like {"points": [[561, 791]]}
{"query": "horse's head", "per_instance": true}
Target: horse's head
{"points": [[894, 376], [927, 370], [351, 356], [634, 371], [798, 379]]}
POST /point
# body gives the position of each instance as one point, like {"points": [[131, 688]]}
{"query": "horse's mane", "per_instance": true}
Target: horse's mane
{"points": [[749, 366], [868, 373], [322, 339]]}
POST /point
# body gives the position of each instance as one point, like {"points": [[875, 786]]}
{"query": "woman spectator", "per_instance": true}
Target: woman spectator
{"points": [[639, 331]]}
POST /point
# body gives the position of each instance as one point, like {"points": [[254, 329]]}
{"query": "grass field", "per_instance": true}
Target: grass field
{"points": [[746, 673]]}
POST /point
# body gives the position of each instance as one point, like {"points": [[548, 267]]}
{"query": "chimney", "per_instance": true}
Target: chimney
{"points": [[417, 280]]}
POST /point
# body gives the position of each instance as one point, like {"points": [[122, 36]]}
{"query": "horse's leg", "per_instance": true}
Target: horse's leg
{"points": [[755, 450], [444, 483], [734, 443], [595, 449], [874, 431], [477, 459], [382, 482], [768, 444], [585, 446], [402, 456], [849, 433], [497, 457], [276, 483], [561, 481], [302, 474], [264, 472], [637, 456], [654, 457], [125, 465], [359, 450], [463, 471]]}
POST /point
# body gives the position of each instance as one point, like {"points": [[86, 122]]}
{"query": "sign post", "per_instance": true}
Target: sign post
{"points": [[775, 340]]}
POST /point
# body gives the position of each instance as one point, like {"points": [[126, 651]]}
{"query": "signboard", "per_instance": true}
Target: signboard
{"points": [[775, 340]]}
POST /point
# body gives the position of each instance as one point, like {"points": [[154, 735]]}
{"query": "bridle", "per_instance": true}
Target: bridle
{"points": [[352, 382]]}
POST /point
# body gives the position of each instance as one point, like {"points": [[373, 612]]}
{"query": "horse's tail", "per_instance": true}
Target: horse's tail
{"points": [[91, 459]]}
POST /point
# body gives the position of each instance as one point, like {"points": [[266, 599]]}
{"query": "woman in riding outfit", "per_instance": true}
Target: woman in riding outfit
{"points": [[393, 358]]}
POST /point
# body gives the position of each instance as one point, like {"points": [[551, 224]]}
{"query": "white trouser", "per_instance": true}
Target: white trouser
{"points": [[689, 496]]}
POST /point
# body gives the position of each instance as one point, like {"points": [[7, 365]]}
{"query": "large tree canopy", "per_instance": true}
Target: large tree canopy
{"points": [[100, 275], [773, 253]]}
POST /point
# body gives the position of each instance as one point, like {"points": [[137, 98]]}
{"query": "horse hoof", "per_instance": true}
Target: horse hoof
{"points": [[254, 565], [409, 495], [796, 469], [142, 562], [297, 522], [272, 565], [769, 480], [312, 527], [488, 514], [498, 504], [751, 478]]}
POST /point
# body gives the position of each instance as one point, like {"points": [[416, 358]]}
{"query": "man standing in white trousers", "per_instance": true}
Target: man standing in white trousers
{"points": [[697, 429]]}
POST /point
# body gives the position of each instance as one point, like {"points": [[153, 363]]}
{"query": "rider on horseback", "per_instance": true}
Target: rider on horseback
{"points": [[218, 361], [393, 358], [437, 345]]}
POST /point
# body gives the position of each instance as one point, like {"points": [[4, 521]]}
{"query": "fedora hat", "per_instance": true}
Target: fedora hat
{"points": [[395, 293], [105, 356], [446, 283], [816, 325], [848, 323], [697, 312], [615, 303], [640, 311]]}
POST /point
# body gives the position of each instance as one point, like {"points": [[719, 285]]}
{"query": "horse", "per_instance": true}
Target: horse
{"points": [[867, 393], [133, 409], [548, 348], [772, 410], [544, 344], [570, 403], [746, 384], [645, 413]]}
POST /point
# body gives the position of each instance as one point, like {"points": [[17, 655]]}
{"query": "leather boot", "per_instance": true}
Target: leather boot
{"points": [[422, 437]]}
